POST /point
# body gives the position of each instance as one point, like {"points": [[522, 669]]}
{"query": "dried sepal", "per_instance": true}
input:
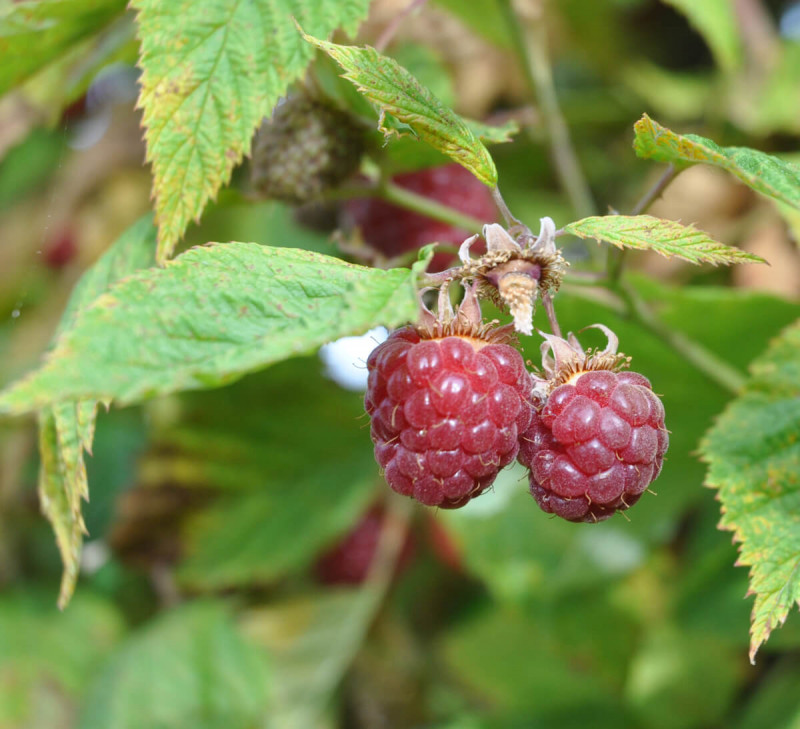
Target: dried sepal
{"points": [[513, 272], [466, 320], [562, 359]]}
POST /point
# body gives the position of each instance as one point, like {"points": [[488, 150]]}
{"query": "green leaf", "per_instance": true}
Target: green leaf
{"points": [[484, 17], [683, 680], [208, 317], [267, 471], [288, 483], [211, 71], [312, 641], [665, 237], [66, 429], [190, 668], [47, 657], [715, 20], [52, 27], [397, 93], [491, 134], [763, 173], [531, 659], [753, 456]]}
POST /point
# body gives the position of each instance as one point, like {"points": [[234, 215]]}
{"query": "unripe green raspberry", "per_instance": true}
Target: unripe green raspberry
{"points": [[304, 149]]}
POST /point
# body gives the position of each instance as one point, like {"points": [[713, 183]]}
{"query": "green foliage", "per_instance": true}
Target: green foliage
{"points": [[665, 237], [66, 428], [754, 462], [763, 173], [191, 667], [312, 641], [303, 446], [47, 657], [254, 463], [52, 27], [212, 315], [715, 20], [212, 70], [397, 93]]}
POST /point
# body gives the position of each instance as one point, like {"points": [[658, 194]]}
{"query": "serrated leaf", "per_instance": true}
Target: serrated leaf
{"points": [[210, 316], [762, 172], [66, 429], [666, 237], [397, 93], [211, 71], [191, 667], [52, 27], [753, 456], [312, 641], [715, 20]]}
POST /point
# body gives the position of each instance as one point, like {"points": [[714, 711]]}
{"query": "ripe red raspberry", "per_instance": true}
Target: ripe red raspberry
{"points": [[348, 561], [393, 230], [446, 412], [595, 446]]}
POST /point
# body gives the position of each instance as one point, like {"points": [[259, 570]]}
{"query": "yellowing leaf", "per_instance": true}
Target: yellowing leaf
{"points": [[397, 93], [211, 71], [753, 456], [66, 428], [210, 316], [665, 237], [763, 173]]}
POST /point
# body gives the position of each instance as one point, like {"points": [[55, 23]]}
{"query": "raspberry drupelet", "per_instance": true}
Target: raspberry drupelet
{"points": [[448, 402], [596, 443]]}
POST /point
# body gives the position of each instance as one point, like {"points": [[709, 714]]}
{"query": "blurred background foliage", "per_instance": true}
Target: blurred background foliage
{"points": [[205, 599]]}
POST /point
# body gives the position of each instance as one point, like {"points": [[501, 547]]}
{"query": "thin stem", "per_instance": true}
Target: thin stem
{"points": [[547, 301], [716, 369], [655, 192], [389, 31], [616, 257], [511, 220], [531, 46], [425, 206]]}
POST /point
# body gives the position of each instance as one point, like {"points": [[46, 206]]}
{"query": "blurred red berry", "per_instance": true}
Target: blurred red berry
{"points": [[348, 561], [393, 230]]}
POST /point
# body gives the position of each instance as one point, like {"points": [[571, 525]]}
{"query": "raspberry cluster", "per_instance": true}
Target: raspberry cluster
{"points": [[595, 446], [446, 413]]}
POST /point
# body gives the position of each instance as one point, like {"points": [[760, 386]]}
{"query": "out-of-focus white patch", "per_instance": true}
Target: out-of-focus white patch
{"points": [[611, 549], [346, 358], [498, 496], [94, 555]]}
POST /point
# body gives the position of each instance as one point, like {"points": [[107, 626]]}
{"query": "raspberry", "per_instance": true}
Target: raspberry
{"points": [[595, 446], [446, 411], [304, 149], [348, 561], [393, 230]]}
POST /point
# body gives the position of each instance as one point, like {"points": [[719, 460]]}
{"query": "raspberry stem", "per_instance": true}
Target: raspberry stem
{"points": [[716, 369], [393, 193], [616, 257], [530, 41]]}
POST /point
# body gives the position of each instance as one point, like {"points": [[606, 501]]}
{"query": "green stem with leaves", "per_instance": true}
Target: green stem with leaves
{"points": [[716, 369]]}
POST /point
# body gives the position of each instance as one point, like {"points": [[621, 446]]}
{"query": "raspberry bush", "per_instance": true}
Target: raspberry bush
{"points": [[525, 330]]}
